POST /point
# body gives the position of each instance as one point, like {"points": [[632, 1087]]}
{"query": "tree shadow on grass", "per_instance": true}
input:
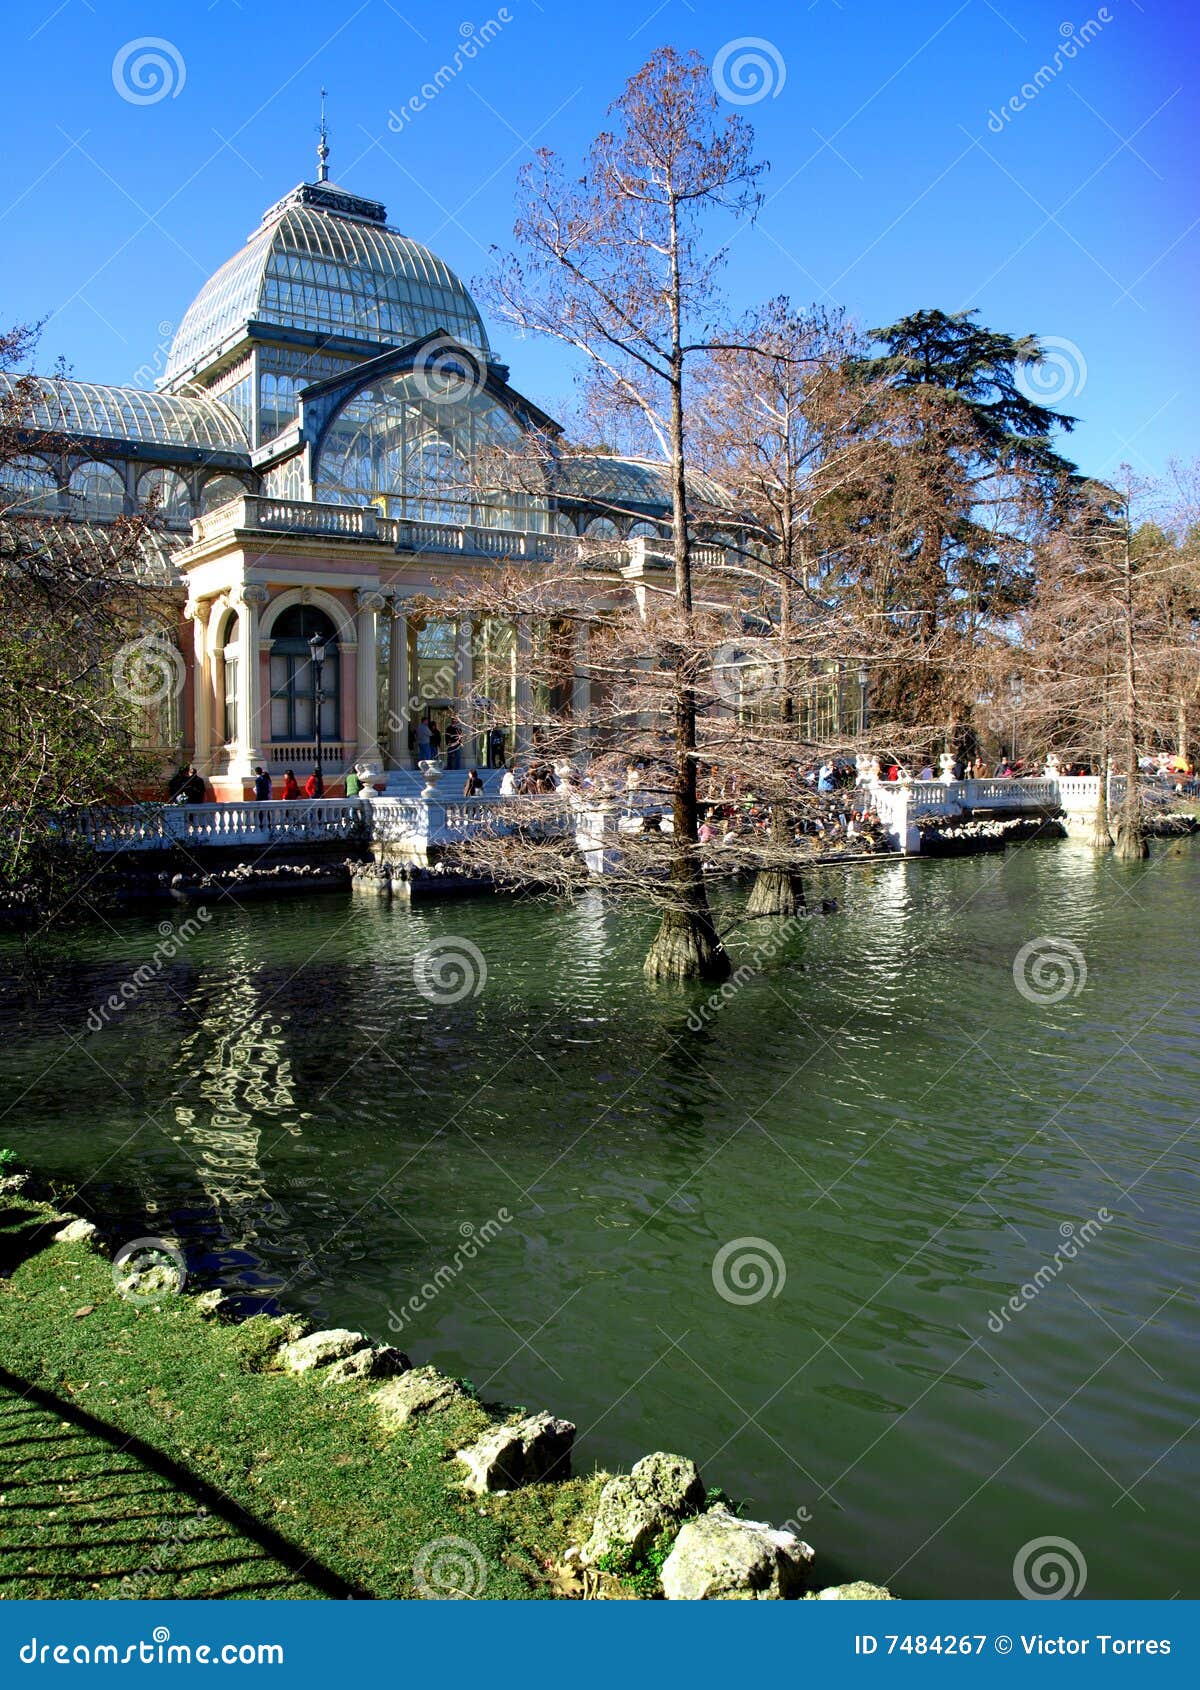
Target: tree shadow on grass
{"points": [[23, 1233], [188, 1538]]}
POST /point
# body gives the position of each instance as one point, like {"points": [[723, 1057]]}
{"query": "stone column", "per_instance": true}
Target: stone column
{"points": [[464, 683], [249, 700], [197, 614], [368, 605], [399, 755], [523, 658], [581, 692]]}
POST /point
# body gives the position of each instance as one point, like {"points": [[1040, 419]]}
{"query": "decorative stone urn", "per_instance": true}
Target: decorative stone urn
{"points": [[433, 772], [946, 766], [1053, 766]]}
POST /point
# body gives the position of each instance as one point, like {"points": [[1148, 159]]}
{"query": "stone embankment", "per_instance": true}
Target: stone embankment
{"points": [[653, 1532]]}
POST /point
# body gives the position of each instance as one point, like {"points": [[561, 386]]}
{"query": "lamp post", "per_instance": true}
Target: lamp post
{"points": [[316, 646]]}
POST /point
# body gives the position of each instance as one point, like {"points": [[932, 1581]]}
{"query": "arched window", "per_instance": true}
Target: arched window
{"points": [[219, 491], [602, 528], [293, 685], [170, 493], [415, 451], [97, 491], [646, 530], [28, 484]]}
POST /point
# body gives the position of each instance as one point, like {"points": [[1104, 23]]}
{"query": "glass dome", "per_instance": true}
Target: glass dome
{"points": [[326, 261], [630, 484]]}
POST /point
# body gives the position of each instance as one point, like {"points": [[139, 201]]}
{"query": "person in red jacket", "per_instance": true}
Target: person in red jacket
{"points": [[314, 786], [290, 788]]}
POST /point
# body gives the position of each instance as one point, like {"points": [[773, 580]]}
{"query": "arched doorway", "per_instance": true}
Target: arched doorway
{"points": [[293, 684]]}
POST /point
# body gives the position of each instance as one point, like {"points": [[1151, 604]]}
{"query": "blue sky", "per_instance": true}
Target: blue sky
{"points": [[902, 174]]}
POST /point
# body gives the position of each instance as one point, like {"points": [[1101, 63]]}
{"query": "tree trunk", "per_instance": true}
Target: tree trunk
{"points": [[1101, 837], [1131, 843], [686, 946], [777, 891]]}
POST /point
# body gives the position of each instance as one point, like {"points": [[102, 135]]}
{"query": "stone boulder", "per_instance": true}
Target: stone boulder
{"points": [[524, 1453], [216, 1305], [718, 1557], [859, 1591], [371, 1363], [636, 1506], [422, 1391], [322, 1349], [78, 1232]]}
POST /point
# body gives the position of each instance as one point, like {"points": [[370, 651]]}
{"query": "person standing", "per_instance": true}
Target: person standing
{"points": [[314, 786], [262, 785], [192, 790], [472, 786], [508, 784], [424, 742], [291, 788], [353, 784]]}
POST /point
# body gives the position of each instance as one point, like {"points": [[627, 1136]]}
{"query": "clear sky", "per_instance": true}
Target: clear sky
{"points": [[908, 167]]}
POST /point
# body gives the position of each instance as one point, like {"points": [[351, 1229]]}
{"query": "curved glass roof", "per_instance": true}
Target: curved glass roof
{"points": [[605, 479], [126, 413], [314, 265]]}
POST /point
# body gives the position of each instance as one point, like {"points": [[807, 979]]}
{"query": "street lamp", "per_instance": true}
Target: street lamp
{"points": [[316, 647]]}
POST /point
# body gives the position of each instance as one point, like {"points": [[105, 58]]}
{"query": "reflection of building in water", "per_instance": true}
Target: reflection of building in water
{"points": [[238, 1098]]}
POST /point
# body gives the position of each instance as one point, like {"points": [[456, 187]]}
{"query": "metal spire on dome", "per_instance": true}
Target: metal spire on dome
{"points": [[323, 146]]}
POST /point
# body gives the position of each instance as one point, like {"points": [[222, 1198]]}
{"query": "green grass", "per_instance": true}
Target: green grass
{"points": [[147, 1452]]}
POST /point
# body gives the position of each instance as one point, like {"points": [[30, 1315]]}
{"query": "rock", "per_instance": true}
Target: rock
{"points": [[216, 1305], [422, 1391], [635, 1507], [322, 1349], [12, 1184], [371, 1363], [525, 1453], [859, 1591], [718, 1557], [78, 1232]]}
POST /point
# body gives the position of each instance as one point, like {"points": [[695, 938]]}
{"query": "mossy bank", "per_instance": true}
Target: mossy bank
{"points": [[151, 1448]]}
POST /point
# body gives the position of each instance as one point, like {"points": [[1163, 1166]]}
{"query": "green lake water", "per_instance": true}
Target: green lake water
{"points": [[904, 1138]]}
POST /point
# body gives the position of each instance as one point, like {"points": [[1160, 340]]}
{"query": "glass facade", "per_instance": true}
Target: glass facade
{"points": [[170, 493], [293, 684], [96, 490], [460, 460], [28, 484]]}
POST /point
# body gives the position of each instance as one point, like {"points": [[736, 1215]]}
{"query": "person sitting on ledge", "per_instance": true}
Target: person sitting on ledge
{"points": [[508, 784], [353, 784], [472, 786], [314, 786], [192, 790], [262, 785]]}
